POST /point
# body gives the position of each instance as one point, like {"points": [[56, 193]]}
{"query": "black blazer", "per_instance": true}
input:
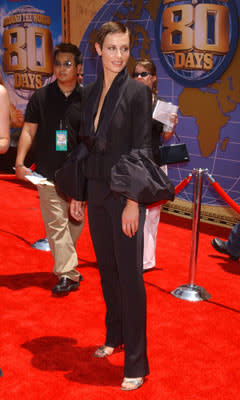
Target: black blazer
{"points": [[125, 123], [120, 152]]}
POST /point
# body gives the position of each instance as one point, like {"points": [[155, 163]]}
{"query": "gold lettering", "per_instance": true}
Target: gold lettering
{"points": [[14, 57], [198, 58], [191, 32], [25, 84], [208, 62], [38, 81], [27, 18], [179, 60], [12, 19], [41, 19], [189, 62], [193, 61], [37, 18], [45, 66], [181, 28], [221, 32], [18, 43], [17, 80], [31, 78], [27, 81]]}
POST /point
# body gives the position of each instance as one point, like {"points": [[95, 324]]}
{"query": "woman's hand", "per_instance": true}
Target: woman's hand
{"points": [[77, 209], [130, 217], [22, 171], [174, 120]]}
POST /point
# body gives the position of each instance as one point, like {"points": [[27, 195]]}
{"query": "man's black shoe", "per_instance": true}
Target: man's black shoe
{"points": [[66, 285], [221, 247]]}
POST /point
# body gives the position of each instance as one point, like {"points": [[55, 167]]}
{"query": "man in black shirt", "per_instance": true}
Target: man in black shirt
{"points": [[52, 122]]}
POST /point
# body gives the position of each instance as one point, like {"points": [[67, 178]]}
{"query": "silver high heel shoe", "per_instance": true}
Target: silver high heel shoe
{"points": [[103, 351], [131, 383]]}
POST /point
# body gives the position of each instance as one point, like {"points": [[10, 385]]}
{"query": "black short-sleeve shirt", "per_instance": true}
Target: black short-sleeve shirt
{"points": [[52, 110]]}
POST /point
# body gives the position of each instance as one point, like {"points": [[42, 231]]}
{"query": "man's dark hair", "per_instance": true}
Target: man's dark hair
{"points": [[68, 48], [111, 27]]}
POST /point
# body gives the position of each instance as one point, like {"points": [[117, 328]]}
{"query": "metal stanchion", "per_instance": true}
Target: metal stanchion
{"points": [[190, 291], [41, 244]]}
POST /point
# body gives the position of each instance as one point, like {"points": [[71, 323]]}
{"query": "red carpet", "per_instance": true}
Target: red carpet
{"points": [[47, 343]]}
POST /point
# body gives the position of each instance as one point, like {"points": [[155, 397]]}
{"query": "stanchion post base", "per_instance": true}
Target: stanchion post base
{"points": [[191, 293], [41, 244]]}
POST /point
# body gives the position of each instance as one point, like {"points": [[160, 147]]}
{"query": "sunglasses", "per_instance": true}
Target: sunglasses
{"points": [[141, 74], [66, 64]]}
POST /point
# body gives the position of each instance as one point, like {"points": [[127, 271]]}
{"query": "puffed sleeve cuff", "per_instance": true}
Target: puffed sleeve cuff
{"points": [[70, 178], [137, 177]]}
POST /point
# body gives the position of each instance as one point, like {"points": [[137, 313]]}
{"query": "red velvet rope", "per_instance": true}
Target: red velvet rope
{"points": [[33, 167], [8, 176], [223, 194], [178, 188]]}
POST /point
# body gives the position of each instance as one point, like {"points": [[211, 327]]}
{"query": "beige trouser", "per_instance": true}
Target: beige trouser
{"points": [[150, 236], [150, 233], [62, 232]]}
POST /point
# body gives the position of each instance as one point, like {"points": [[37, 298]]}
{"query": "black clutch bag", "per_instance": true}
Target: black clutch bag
{"points": [[174, 153]]}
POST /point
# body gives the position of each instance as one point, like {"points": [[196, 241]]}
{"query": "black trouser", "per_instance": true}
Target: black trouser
{"points": [[120, 260]]}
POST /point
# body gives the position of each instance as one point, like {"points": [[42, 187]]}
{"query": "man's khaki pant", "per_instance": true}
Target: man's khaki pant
{"points": [[62, 232]]}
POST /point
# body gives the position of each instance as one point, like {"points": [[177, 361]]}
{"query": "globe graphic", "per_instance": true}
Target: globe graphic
{"points": [[222, 161]]}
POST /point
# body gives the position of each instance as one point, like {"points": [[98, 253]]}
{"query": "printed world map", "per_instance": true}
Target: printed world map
{"points": [[209, 117]]}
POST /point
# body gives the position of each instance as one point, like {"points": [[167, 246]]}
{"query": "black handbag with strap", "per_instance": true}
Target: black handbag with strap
{"points": [[174, 153]]}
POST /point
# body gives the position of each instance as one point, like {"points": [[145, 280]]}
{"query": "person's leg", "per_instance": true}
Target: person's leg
{"points": [[150, 237], [150, 233], [233, 243], [129, 255], [122, 282], [100, 226], [55, 212]]}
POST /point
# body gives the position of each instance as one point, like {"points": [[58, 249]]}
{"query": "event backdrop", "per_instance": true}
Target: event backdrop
{"points": [[195, 46], [209, 115], [29, 30]]}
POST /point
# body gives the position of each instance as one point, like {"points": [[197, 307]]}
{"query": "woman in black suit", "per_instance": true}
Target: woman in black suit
{"points": [[117, 121]]}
